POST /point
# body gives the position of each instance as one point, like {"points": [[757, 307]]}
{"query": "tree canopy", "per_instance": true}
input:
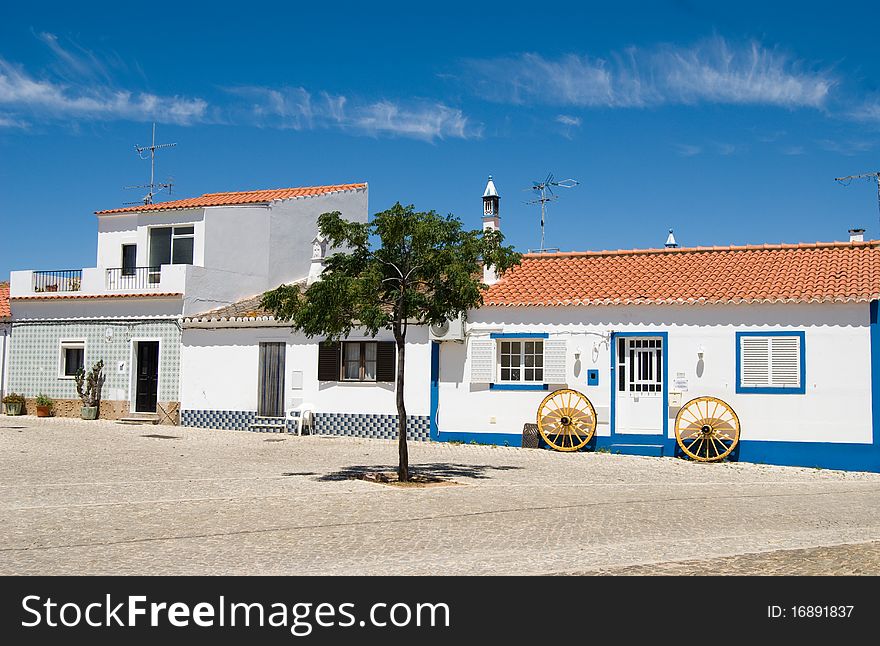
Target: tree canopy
{"points": [[402, 268]]}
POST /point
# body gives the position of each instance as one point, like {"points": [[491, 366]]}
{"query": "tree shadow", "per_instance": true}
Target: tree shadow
{"points": [[432, 471]]}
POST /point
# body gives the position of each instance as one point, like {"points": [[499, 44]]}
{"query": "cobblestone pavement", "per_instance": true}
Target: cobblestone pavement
{"points": [[103, 498]]}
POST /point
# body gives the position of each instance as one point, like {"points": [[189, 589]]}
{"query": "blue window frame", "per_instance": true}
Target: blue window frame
{"points": [[771, 363]]}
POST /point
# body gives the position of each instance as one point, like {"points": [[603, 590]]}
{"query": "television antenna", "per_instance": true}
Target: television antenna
{"points": [[545, 193], [874, 177], [149, 152]]}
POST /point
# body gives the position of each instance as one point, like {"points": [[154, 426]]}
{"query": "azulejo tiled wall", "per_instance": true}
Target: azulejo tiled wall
{"points": [[371, 425], [230, 420], [350, 424], [36, 346]]}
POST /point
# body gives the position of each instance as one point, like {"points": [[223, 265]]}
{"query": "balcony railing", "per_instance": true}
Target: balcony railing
{"points": [[125, 278], [58, 280]]}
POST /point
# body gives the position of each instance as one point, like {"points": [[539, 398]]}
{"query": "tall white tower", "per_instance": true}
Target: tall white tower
{"points": [[491, 220]]}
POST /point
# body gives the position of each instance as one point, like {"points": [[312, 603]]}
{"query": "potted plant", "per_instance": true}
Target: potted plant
{"points": [[14, 403], [44, 405], [88, 387]]}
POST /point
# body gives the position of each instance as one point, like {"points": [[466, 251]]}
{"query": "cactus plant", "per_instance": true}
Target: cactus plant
{"points": [[88, 387]]}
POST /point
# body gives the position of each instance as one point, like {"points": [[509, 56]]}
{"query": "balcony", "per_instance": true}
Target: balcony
{"points": [[99, 281], [56, 280], [128, 279]]}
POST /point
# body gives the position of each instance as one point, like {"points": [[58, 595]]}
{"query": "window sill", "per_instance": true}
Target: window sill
{"points": [[507, 386], [766, 390]]}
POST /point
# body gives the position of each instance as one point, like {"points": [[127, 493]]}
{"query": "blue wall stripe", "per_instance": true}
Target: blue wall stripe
{"points": [[518, 386], [435, 389]]}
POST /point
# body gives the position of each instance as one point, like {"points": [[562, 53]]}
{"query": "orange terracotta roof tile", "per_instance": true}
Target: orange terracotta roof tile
{"points": [[235, 198], [75, 296], [783, 273], [4, 301]]}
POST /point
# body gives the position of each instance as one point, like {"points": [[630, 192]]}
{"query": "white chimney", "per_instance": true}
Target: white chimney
{"points": [[856, 235], [491, 220], [319, 251], [670, 241]]}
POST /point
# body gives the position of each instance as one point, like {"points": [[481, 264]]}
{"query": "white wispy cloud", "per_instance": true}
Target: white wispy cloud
{"points": [[568, 120], [712, 71], [868, 111], [688, 150], [22, 94], [78, 86], [300, 109], [793, 150]]}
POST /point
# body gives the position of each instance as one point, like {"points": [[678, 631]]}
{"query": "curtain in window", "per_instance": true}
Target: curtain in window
{"points": [[352, 361]]}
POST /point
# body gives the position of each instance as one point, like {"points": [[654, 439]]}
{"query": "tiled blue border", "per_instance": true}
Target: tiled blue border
{"points": [[371, 425]]}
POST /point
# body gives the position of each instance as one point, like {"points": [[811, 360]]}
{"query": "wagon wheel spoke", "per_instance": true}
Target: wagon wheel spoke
{"points": [[566, 420], [707, 429]]}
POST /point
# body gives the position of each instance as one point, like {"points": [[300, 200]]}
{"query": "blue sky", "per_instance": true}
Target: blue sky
{"points": [[726, 123]]}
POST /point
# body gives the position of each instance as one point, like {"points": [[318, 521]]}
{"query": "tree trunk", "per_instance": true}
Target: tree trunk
{"points": [[403, 453]]}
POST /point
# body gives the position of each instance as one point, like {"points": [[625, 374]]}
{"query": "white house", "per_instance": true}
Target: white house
{"points": [[786, 335], [156, 264]]}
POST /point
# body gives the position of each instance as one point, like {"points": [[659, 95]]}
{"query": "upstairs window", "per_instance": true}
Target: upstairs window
{"points": [[770, 363], [129, 259], [171, 245], [72, 358]]}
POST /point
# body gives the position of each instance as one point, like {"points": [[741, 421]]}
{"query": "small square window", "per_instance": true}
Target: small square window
{"points": [[72, 358]]}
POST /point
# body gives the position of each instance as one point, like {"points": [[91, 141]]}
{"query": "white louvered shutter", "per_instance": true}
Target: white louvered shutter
{"points": [[755, 361], [482, 361], [555, 361], [770, 361], [785, 361]]}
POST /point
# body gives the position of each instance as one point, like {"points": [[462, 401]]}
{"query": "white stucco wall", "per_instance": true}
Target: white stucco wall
{"points": [[96, 308], [293, 226], [118, 229], [219, 372], [835, 408]]}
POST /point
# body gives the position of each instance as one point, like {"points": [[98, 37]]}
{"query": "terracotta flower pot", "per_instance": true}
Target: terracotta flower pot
{"points": [[44, 411]]}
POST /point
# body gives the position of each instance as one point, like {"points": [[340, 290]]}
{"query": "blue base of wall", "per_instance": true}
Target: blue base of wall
{"points": [[824, 455]]}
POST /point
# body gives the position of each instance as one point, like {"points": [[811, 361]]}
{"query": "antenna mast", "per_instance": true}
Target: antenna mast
{"points": [[153, 188], [545, 194], [875, 176]]}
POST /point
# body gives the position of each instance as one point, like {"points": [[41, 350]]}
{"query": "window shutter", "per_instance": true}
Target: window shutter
{"points": [[755, 361], [555, 361], [328, 361], [482, 361], [386, 361], [785, 356]]}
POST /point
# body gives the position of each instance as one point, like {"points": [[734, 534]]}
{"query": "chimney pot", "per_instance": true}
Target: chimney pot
{"points": [[856, 235]]}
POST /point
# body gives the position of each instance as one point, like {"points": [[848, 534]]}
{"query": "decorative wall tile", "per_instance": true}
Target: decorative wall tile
{"points": [[35, 349], [345, 424]]}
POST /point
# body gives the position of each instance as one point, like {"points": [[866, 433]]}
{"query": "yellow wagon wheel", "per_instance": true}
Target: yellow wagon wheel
{"points": [[566, 420], [707, 429]]}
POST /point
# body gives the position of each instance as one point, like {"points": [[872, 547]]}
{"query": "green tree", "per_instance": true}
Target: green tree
{"points": [[403, 268]]}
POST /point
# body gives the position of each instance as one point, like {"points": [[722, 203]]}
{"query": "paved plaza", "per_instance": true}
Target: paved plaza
{"points": [[103, 498]]}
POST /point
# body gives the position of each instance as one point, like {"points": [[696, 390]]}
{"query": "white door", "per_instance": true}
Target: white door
{"points": [[639, 387]]}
